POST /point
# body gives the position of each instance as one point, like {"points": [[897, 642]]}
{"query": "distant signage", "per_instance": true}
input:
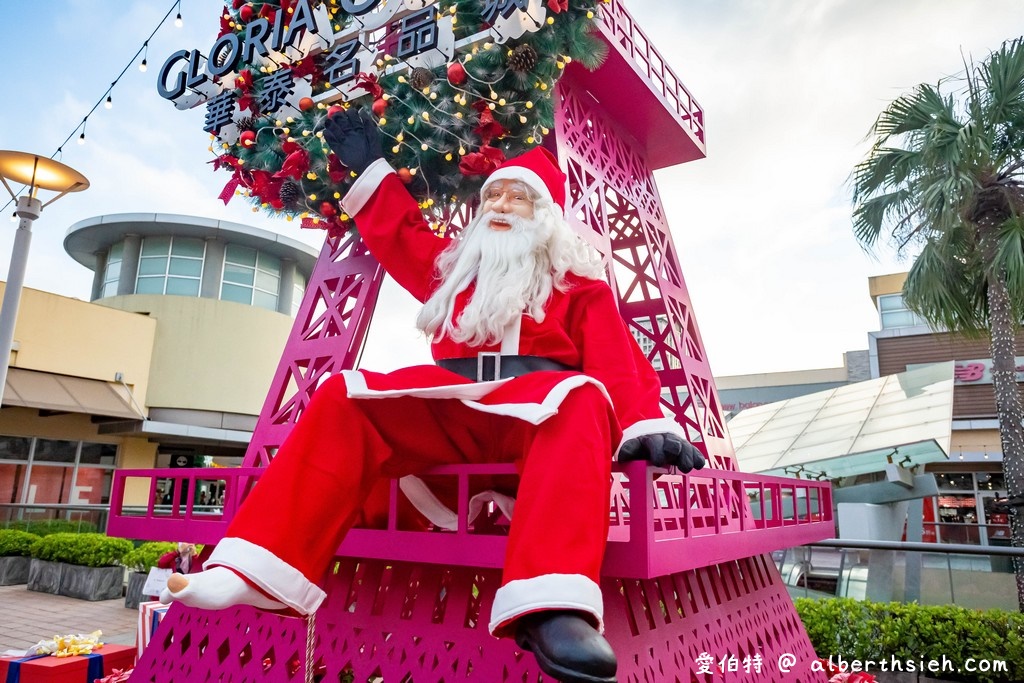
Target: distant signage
{"points": [[980, 371]]}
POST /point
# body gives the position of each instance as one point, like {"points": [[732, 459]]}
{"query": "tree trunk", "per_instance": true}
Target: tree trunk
{"points": [[1009, 408]]}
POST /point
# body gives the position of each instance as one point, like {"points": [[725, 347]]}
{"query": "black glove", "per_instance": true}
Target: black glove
{"points": [[663, 450], [354, 138]]}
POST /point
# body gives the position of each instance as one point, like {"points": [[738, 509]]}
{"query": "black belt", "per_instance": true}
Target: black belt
{"points": [[487, 367]]}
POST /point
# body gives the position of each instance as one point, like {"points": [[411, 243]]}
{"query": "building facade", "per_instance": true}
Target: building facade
{"points": [[167, 364]]}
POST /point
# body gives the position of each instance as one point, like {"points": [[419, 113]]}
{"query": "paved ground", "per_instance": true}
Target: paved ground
{"points": [[26, 617]]}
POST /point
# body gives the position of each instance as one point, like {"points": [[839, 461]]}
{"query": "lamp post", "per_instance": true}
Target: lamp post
{"points": [[36, 173]]}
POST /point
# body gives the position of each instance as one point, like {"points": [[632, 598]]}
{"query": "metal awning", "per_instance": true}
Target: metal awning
{"points": [[905, 419], [68, 394]]}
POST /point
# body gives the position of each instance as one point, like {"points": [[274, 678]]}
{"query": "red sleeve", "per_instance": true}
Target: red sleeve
{"points": [[611, 355], [166, 560], [392, 226]]}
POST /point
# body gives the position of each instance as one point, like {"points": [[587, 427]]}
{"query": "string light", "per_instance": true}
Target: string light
{"points": [[107, 99], [177, 19]]}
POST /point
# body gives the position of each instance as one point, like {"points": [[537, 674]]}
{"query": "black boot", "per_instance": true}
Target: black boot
{"points": [[567, 647]]}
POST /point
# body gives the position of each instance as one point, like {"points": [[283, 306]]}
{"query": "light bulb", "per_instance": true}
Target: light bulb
{"points": [[81, 139], [177, 20], [109, 103], [142, 65]]}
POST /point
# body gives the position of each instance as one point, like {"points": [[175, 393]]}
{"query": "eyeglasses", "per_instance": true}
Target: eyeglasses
{"points": [[515, 195]]}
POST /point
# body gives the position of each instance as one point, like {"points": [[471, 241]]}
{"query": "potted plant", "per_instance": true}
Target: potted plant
{"points": [[139, 561], [15, 549], [85, 566]]}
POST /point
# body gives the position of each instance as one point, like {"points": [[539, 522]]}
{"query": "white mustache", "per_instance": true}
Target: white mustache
{"points": [[514, 221]]}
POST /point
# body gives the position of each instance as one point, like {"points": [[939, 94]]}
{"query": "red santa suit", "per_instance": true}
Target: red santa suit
{"points": [[561, 429]]}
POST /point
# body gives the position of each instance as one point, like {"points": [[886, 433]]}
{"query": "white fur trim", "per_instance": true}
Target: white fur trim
{"points": [[356, 385], [548, 591], [657, 425], [510, 340], [273, 575], [364, 186], [522, 174], [424, 500], [439, 514], [535, 413]]}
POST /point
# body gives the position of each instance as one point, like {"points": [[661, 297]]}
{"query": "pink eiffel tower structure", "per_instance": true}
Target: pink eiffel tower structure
{"points": [[691, 592]]}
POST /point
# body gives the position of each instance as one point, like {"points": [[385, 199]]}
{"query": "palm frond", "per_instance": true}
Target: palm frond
{"points": [[1009, 261], [1003, 77], [945, 287]]}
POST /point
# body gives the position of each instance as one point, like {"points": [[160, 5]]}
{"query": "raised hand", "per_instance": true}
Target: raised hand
{"points": [[353, 137], [663, 450]]}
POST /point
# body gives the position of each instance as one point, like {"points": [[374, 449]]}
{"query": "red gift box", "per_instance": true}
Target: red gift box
{"points": [[75, 669]]}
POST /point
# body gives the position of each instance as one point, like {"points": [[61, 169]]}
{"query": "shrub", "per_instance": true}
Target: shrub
{"points": [[88, 550], [15, 542], [45, 527], [859, 630], [144, 557]]}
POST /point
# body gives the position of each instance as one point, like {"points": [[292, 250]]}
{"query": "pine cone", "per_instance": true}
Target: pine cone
{"points": [[421, 78], [523, 59], [290, 193], [246, 123]]}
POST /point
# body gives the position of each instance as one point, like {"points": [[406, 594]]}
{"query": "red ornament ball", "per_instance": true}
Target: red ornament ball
{"points": [[405, 175], [245, 13], [335, 109], [380, 105], [457, 73], [247, 138], [327, 210], [306, 103]]}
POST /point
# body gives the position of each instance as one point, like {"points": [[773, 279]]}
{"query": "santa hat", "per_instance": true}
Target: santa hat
{"points": [[539, 170]]}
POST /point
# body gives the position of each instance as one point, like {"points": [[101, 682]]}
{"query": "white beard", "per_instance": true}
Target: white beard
{"points": [[512, 273]]}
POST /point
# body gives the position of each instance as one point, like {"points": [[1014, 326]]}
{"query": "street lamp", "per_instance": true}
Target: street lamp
{"points": [[36, 173]]}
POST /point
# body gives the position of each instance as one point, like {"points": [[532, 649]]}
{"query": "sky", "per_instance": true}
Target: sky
{"points": [[762, 226]]}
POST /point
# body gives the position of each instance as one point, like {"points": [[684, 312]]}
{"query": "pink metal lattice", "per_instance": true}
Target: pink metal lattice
{"points": [[686, 573]]}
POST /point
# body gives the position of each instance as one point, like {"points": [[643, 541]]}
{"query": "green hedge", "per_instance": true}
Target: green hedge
{"points": [[859, 630], [45, 527], [15, 542], [89, 550], [144, 557]]}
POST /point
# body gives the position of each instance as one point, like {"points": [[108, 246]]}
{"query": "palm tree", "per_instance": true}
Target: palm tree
{"points": [[944, 175]]}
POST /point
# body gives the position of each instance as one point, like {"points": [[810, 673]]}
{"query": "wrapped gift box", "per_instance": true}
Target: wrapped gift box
{"points": [[150, 616], [76, 669]]}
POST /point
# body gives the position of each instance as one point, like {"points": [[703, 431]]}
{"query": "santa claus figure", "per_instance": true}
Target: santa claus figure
{"points": [[534, 366]]}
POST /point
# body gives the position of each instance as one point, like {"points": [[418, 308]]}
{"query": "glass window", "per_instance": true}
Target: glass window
{"points": [[14, 448], [171, 265], [251, 277], [112, 274], [991, 481], [98, 454], [955, 481], [298, 291], [894, 313], [48, 450]]}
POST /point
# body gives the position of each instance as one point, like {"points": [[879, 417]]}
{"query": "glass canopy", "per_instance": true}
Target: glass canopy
{"points": [[851, 430]]}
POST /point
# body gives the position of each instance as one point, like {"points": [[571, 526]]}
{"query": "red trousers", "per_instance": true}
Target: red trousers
{"points": [[314, 490]]}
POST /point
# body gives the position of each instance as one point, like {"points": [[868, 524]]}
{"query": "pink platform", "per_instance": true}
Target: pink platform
{"points": [[686, 572]]}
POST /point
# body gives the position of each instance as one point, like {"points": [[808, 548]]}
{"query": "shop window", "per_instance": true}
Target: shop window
{"points": [[48, 450], [955, 481], [40, 472], [112, 273], [171, 265], [251, 277], [15, 448]]}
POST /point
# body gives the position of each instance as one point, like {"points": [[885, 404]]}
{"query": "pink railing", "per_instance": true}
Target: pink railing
{"points": [[622, 31], [683, 522]]}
